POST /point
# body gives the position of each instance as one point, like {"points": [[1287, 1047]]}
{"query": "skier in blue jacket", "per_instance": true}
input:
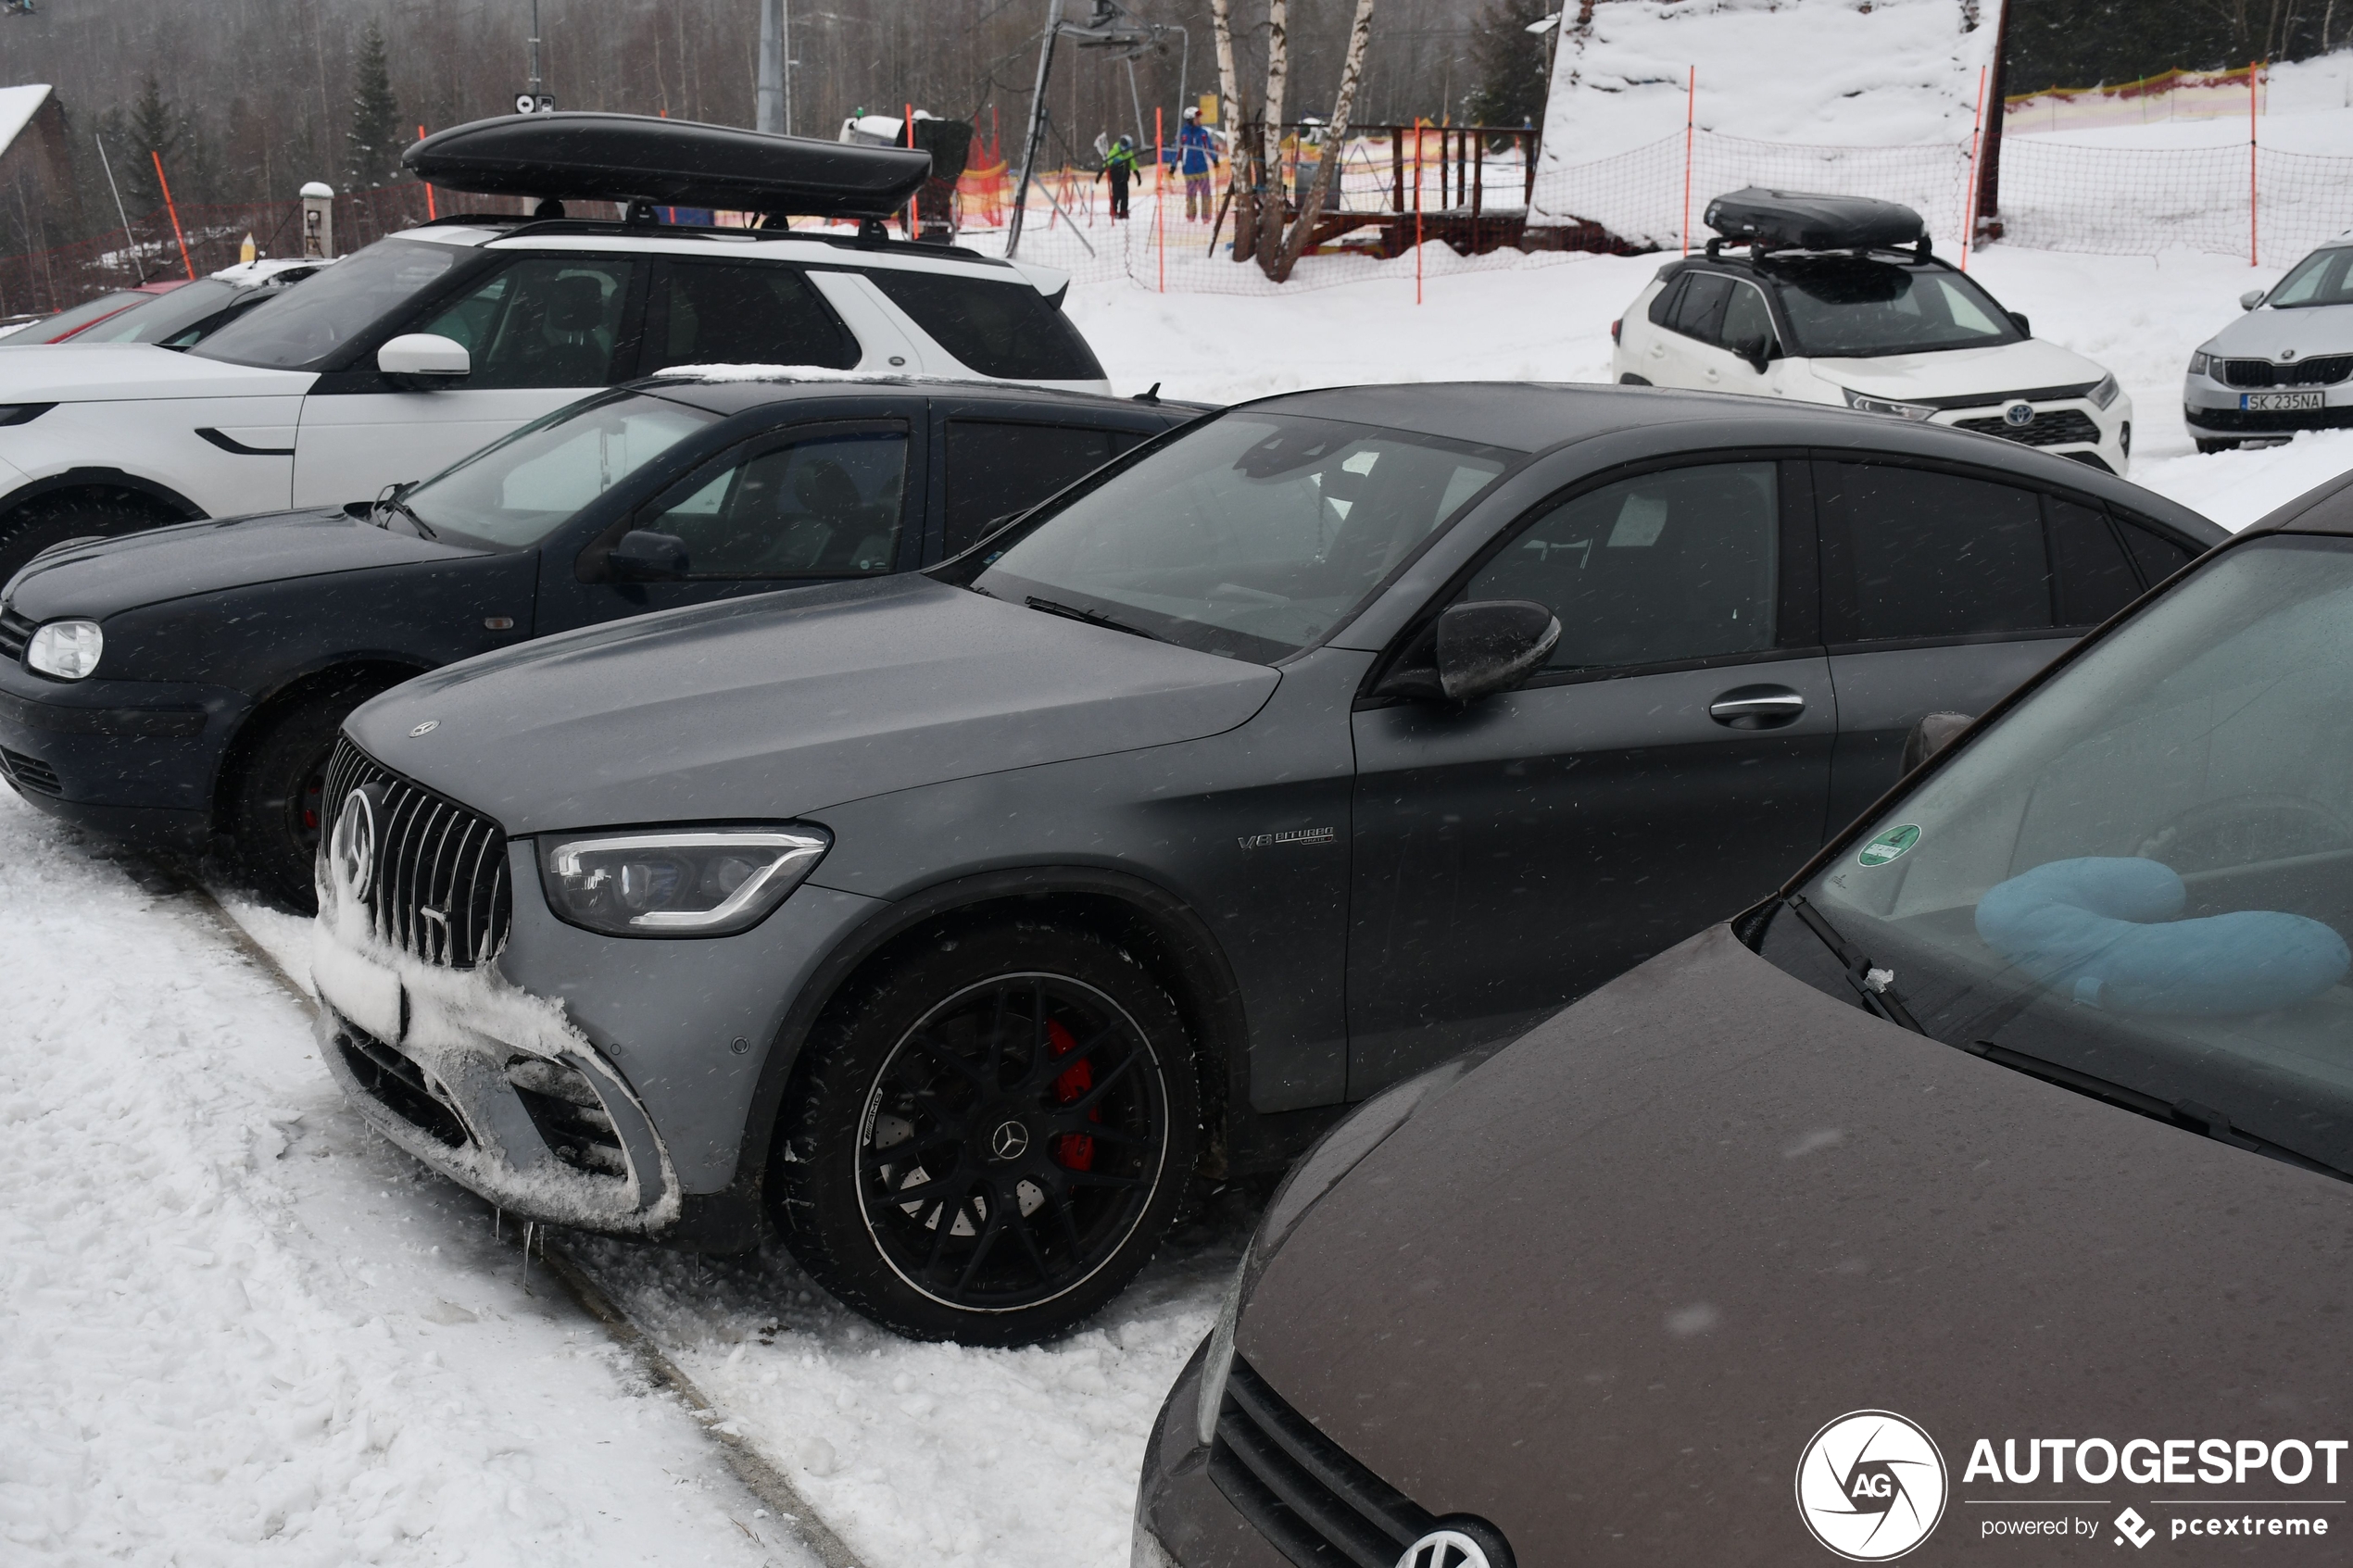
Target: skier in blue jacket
{"points": [[1197, 158]]}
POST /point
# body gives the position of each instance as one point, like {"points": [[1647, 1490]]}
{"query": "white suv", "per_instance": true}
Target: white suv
{"points": [[410, 354], [1885, 330]]}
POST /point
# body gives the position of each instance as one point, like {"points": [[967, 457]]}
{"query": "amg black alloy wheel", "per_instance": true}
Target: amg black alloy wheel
{"points": [[993, 1140]]}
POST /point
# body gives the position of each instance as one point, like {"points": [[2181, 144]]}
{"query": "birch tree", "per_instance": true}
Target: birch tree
{"points": [[1270, 133], [1221, 21], [1335, 143]]}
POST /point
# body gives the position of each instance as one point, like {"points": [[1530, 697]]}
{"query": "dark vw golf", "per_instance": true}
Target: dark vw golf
{"points": [[1979, 1198], [953, 923], [182, 687]]}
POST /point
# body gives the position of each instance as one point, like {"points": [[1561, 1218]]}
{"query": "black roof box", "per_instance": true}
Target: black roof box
{"points": [[625, 158], [1795, 221]]}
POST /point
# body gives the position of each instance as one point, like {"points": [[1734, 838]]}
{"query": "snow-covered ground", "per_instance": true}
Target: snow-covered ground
{"points": [[236, 1328]]}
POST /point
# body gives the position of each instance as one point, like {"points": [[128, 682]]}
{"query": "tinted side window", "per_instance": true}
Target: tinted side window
{"points": [[712, 313], [1940, 555], [827, 507], [2094, 580], [2157, 557], [1700, 313], [995, 468], [1663, 307], [1747, 318], [1002, 330], [1669, 566], [543, 321]]}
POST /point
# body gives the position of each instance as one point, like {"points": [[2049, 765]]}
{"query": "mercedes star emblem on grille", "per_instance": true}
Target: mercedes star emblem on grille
{"points": [[1444, 1548], [352, 851], [2019, 415], [1010, 1141]]}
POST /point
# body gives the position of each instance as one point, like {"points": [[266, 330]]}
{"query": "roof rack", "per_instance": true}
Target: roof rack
{"points": [[640, 161], [1771, 220]]}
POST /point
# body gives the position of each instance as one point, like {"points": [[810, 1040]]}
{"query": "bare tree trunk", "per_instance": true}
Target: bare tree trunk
{"points": [[1221, 19], [1335, 143], [1270, 132]]}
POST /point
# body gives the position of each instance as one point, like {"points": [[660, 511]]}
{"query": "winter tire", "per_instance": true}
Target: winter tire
{"points": [[44, 525], [277, 806], [987, 1143]]}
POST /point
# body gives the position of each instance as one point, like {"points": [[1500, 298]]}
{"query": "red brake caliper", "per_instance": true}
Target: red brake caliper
{"points": [[1072, 1152]]}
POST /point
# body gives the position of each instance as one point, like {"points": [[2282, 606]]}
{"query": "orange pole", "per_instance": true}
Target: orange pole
{"points": [[915, 218], [1418, 211], [1976, 151], [1160, 193], [1690, 115], [430, 211], [2252, 246], [168, 206]]}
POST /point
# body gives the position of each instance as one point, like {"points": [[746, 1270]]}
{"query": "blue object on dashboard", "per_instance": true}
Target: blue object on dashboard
{"points": [[2101, 929]]}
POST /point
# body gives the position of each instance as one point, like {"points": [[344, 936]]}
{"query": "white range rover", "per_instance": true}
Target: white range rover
{"points": [[1835, 302], [410, 354]]}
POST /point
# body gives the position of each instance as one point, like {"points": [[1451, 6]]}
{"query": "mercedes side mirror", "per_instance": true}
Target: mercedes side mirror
{"points": [[2250, 299], [1474, 650], [643, 556], [424, 360], [2018, 321], [1933, 734]]}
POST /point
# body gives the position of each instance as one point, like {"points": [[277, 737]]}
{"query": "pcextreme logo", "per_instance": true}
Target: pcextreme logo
{"points": [[1870, 1485]]}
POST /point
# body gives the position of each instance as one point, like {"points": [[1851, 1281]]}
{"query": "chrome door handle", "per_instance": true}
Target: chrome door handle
{"points": [[1756, 708]]}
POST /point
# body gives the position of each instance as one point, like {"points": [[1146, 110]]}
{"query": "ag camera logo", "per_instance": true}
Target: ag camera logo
{"points": [[1871, 1485]]}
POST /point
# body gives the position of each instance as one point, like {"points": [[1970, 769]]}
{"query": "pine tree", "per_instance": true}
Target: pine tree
{"points": [[1510, 62], [374, 144], [154, 130]]}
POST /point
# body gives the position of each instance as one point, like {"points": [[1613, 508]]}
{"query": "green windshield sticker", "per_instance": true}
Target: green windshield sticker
{"points": [[1889, 844]]}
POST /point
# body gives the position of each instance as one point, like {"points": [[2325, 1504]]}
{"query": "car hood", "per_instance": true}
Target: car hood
{"points": [[98, 578], [1604, 1288], [780, 705], [1961, 372], [99, 372], [2303, 331]]}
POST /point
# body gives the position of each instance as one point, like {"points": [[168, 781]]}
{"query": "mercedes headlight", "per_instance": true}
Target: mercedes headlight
{"points": [[2200, 362], [1318, 1171], [2104, 393], [1886, 406], [685, 881], [68, 649]]}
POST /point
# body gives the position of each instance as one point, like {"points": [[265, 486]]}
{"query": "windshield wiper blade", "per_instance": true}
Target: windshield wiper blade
{"points": [[2186, 1114], [1091, 617], [1875, 985], [395, 504]]}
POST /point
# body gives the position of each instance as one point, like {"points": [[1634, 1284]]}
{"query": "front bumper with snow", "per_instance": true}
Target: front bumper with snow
{"points": [[601, 1083]]}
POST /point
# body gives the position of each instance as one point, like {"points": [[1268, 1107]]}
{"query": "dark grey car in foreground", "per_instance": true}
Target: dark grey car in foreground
{"points": [[953, 921], [1982, 1196]]}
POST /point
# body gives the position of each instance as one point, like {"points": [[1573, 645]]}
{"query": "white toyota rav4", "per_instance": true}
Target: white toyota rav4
{"points": [[410, 354], [1837, 300]]}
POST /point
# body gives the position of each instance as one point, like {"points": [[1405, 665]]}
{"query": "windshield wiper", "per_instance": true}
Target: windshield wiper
{"points": [[2186, 1114], [1091, 617], [1875, 985], [390, 501]]}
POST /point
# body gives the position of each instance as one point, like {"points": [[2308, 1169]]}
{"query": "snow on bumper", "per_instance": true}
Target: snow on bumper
{"points": [[487, 1084]]}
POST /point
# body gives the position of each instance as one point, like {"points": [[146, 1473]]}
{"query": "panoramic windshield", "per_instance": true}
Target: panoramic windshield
{"points": [[305, 326], [165, 316], [1849, 308], [517, 490], [2144, 874], [2325, 277], [1250, 536]]}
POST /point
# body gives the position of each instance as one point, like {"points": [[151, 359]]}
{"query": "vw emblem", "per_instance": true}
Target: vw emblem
{"points": [[2017, 416], [1010, 1141], [1445, 1549], [430, 725], [351, 851]]}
